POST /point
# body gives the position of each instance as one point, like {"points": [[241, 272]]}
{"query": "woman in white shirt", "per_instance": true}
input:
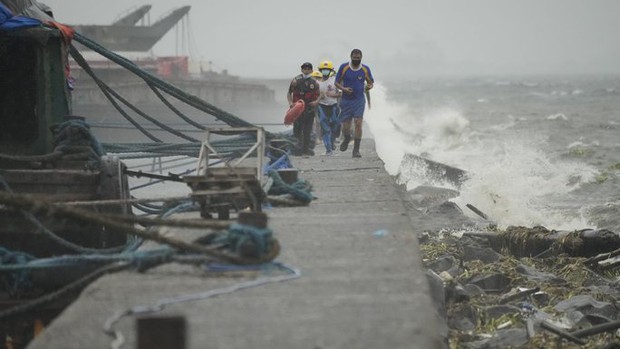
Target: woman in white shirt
{"points": [[328, 111]]}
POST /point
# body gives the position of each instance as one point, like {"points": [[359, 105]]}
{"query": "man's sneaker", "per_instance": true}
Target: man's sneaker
{"points": [[345, 144], [308, 152], [329, 153], [356, 154]]}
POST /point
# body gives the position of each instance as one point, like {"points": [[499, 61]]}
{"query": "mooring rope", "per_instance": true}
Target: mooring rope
{"points": [[82, 62], [23, 202], [172, 90], [140, 260], [118, 339], [301, 190], [60, 293], [131, 242], [33, 158], [149, 150], [175, 110]]}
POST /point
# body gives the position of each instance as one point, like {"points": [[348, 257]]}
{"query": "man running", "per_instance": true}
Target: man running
{"points": [[303, 86], [354, 79]]}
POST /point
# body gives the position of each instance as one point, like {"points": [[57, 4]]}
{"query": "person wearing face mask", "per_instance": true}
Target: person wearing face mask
{"points": [[306, 88], [354, 79], [316, 125], [328, 106]]}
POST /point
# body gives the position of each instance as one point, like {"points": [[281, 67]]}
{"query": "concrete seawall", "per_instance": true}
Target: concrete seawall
{"points": [[362, 283]]}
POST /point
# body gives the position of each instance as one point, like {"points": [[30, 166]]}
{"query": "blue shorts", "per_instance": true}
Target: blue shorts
{"points": [[352, 109]]}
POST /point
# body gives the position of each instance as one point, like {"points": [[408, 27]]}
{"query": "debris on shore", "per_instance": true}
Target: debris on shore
{"points": [[525, 287]]}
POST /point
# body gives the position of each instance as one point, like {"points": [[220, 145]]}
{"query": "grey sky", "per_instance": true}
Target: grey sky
{"points": [[271, 38]]}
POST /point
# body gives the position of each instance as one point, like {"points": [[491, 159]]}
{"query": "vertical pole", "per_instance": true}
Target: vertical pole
{"points": [[203, 157], [260, 153]]}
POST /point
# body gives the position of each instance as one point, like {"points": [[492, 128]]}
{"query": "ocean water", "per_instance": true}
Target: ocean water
{"points": [[537, 150]]}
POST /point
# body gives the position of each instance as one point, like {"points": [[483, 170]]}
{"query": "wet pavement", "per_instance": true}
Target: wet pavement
{"points": [[361, 282]]}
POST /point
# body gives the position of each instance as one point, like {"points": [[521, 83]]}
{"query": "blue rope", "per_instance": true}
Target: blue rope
{"points": [[74, 138], [65, 135], [19, 264], [21, 279], [224, 267], [300, 190], [132, 242], [239, 235], [280, 163]]}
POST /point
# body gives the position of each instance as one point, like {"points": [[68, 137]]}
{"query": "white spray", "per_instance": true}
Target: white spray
{"points": [[509, 179]]}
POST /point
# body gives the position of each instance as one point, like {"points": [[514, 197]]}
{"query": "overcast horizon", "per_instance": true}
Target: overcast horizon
{"points": [[270, 39]]}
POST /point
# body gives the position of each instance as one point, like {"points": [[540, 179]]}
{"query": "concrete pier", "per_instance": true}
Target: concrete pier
{"points": [[362, 284]]}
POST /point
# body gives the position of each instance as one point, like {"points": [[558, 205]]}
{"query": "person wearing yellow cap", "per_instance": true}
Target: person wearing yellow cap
{"points": [[328, 106]]}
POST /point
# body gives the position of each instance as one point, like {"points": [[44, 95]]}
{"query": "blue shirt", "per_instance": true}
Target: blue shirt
{"points": [[354, 79]]}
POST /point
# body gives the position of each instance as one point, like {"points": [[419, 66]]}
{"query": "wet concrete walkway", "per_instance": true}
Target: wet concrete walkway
{"points": [[362, 284]]}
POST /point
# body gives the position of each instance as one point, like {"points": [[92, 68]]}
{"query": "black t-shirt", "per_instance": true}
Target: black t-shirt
{"points": [[304, 88]]}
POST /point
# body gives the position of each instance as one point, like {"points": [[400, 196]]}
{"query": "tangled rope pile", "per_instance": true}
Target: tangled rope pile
{"points": [[72, 141], [75, 141], [299, 192], [245, 240]]}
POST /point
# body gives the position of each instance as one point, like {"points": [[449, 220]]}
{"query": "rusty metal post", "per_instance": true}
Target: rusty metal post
{"points": [[161, 332]]}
